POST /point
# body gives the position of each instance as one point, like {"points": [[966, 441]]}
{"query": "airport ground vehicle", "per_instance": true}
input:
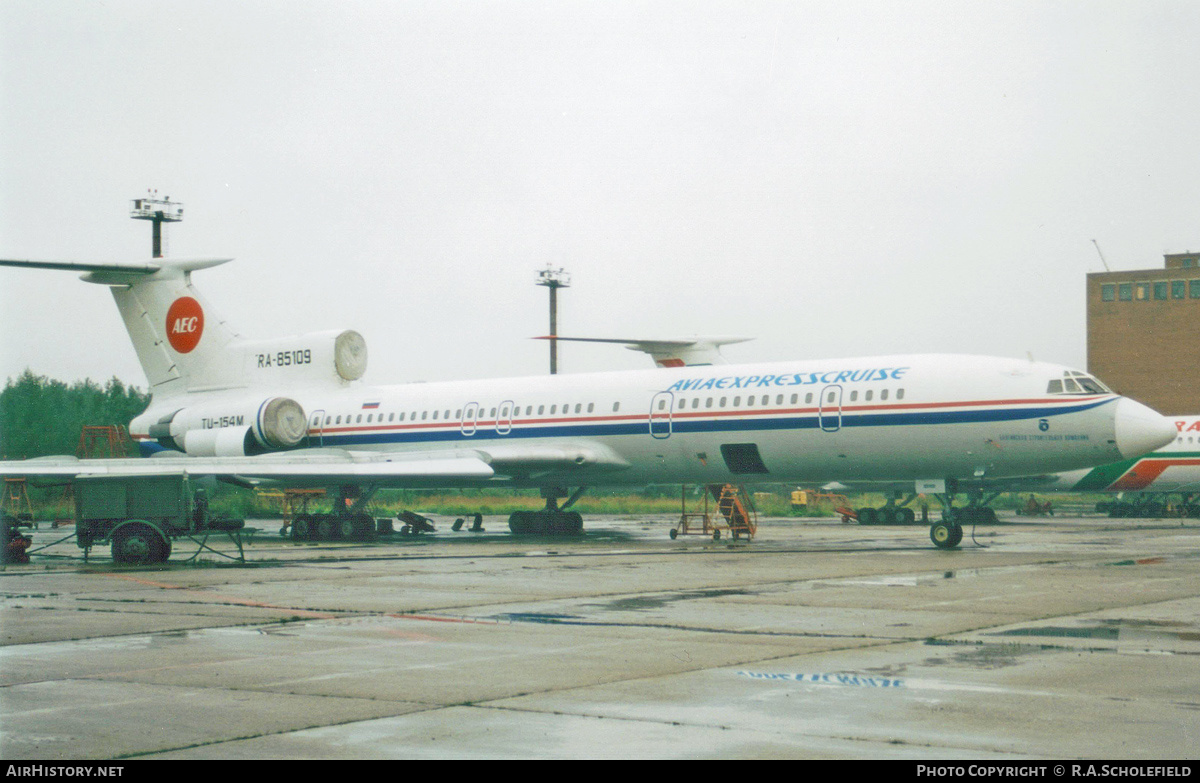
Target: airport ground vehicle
{"points": [[140, 517]]}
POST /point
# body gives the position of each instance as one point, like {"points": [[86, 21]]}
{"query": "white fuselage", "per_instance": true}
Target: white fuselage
{"points": [[892, 418]]}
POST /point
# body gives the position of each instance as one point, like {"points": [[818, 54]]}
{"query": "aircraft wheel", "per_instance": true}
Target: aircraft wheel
{"points": [[887, 516], [956, 534], [674, 534], [300, 527], [348, 527], [137, 543], [566, 523], [326, 527], [868, 516], [942, 535], [520, 522], [905, 516], [716, 535]]}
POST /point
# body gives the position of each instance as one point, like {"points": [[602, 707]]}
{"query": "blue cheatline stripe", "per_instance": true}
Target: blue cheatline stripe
{"points": [[755, 424]]}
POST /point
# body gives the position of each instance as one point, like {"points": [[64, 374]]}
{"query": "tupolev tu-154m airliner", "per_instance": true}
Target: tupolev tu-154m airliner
{"points": [[295, 412]]}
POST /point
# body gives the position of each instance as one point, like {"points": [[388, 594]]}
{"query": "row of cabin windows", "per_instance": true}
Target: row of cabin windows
{"points": [[1144, 292], [757, 401], [372, 418]]}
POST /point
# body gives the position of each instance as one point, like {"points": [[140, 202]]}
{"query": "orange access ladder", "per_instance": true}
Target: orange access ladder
{"points": [[102, 441], [734, 507], [738, 510]]}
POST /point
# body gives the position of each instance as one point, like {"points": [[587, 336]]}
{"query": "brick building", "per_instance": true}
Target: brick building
{"points": [[1143, 333]]}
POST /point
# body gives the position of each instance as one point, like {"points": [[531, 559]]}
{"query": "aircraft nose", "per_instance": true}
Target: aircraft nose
{"points": [[1141, 430]]}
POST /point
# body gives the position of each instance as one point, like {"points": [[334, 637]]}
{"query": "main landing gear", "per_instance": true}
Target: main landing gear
{"points": [[551, 520], [347, 521]]}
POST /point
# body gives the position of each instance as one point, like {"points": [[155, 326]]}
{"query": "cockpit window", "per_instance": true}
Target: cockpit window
{"points": [[1075, 382]]}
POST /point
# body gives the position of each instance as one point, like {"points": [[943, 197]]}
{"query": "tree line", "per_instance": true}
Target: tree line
{"points": [[40, 416]]}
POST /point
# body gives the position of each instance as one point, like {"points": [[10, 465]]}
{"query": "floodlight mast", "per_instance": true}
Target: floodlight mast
{"points": [[158, 210], [554, 279]]}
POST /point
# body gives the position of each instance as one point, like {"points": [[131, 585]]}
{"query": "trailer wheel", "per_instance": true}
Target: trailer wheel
{"points": [[137, 543]]}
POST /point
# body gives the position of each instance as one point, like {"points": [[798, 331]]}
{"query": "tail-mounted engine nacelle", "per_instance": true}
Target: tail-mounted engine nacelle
{"points": [[319, 357], [236, 430]]}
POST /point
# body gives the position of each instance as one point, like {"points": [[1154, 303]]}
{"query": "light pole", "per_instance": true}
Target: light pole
{"points": [[553, 279]]}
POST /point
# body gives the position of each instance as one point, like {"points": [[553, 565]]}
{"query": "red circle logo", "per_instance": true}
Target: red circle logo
{"points": [[185, 324]]}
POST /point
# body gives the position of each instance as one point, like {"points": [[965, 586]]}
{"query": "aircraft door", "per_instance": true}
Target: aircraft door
{"points": [[504, 418], [660, 414], [316, 429], [470, 419], [829, 411]]}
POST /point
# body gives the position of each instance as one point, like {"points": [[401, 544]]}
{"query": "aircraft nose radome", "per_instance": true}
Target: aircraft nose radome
{"points": [[1141, 430]]}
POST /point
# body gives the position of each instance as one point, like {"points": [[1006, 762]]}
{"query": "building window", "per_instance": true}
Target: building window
{"points": [[1178, 289], [1143, 292], [1108, 292], [1125, 292], [1160, 290], [1194, 289], [1188, 263]]}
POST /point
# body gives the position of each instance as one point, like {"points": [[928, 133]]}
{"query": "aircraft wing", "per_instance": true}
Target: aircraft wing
{"points": [[329, 467], [681, 352]]}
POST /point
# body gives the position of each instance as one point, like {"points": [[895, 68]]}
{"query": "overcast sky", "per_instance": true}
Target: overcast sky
{"points": [[831, 178]]}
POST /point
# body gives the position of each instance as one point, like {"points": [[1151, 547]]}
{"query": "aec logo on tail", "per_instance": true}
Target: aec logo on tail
{"points": [[185, 324]]}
